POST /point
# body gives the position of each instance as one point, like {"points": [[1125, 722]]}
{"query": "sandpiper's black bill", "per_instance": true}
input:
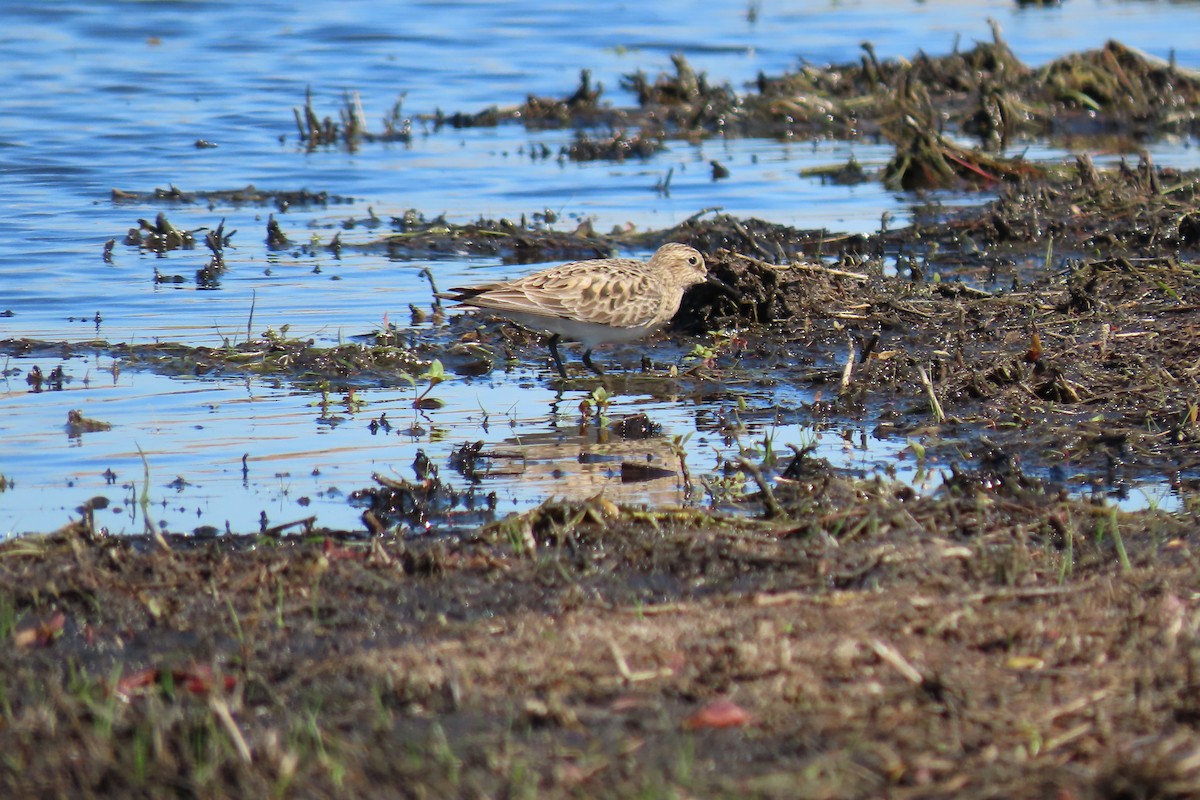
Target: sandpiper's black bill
{"points": [[720, 284]]}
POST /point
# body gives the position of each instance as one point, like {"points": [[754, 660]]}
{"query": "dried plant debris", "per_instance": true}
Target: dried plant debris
{"points": [[342, 366], [710, 231], [1140, 209], [159, 236], [686, 101], [535, 240], [985, 92], [78, 424], [522, 241], [925, 159], [616, 147], [1100, 360], [582, 107], [400, 506], [351, 127], [246, 196]]}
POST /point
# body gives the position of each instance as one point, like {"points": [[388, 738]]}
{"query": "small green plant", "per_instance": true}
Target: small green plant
{"points": [[141, 753], [103, 705], [685, 760], [769, 457], [1067, 567], [279, 622], [706, 353], [601, 400], [314, 602], [435, 375], [277, 337], [1122, 556], [239, 635], [443, 754], [1035, 740], [382, 716], [514, 531], [144, 503], [316, 739], [8, 617]]}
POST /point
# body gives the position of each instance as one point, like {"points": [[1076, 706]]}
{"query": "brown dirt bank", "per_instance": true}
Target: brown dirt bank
{"points": [[993, 642]]}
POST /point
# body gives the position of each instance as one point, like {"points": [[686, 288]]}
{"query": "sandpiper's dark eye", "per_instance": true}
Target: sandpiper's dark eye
{"points": [[692, 260]]}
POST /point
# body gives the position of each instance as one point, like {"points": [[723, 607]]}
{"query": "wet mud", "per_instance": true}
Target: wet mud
{"points": [[995, 642], [800, 631]]}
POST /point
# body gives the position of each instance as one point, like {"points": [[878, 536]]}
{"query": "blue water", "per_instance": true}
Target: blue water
{"points": [[104, 95]]}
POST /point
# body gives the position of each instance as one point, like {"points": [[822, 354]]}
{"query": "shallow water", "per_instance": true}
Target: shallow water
{"points": [[105, 95]]}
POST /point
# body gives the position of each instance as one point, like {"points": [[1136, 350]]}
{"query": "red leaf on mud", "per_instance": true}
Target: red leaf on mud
{"points": [[200, 679], [335, 552], [197, 679], [719, 714], [136, 681], [42, 634]]}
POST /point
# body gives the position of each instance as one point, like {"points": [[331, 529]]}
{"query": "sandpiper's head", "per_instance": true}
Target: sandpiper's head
{"points": [[684, 263]]}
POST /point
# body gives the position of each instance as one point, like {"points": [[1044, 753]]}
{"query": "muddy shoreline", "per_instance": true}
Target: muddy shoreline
{"points": [[1048, 333], [993, 642]]}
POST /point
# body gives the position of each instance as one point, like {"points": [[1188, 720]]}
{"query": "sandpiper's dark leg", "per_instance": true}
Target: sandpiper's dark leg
{"points": [[557, 358], [587, 362]]}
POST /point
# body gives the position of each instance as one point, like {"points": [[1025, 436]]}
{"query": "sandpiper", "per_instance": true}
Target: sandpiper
{"points": [[593, 302]]}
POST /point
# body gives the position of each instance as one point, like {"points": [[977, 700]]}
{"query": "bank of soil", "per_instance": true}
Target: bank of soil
{"points": [[992, 642]]}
